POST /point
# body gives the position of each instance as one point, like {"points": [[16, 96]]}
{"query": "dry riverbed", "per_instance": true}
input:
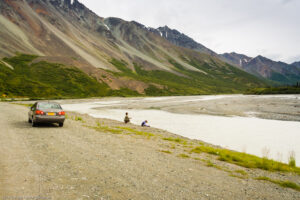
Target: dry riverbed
{"points": [[104, 159], [277, 107]]}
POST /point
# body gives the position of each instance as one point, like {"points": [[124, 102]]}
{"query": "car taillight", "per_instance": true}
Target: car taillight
{"points": [[62, 113], [39, 112]]}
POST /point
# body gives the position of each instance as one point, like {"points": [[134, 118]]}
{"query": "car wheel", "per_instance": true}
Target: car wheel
{"points": [[61, 124], [34, 124]]}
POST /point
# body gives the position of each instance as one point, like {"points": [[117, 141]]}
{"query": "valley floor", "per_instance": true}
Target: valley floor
{"points": [[277, 107], [103, 159]]}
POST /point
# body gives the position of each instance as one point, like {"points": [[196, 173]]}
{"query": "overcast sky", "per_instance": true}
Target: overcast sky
{"points": [[253, 27]]}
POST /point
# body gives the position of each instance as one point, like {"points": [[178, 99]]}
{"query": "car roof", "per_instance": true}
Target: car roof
{"points": [[40, 102]]}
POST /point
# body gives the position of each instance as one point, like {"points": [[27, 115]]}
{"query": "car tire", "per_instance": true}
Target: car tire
{"points": [[34, 124], [61, 124]]}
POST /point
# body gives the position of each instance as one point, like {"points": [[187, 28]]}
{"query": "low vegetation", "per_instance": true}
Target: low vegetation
{"points": [[119, 130], [287, 184], [246, 160], [166, 151], [48, 80], [275, 90], [177, 140], [78, 119], [107, 129], [292, 159], [183, 155], [56, 81], [242, 172], [135, 132], [218, 79]]}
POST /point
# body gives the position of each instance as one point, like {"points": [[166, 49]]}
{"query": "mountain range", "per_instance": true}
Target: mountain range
{"points": [[277, 72], [54, 37]]}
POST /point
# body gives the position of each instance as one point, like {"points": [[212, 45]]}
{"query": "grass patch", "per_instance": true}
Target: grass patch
{"points": [[78, 118], [287, 184], [107, 129], [292, 159], [135, 132], [121, 65], [120, 130], [246, 160], [275, 90], [177, 140], [237, 176], [183, 156], [165, 151], [242, 172], [210, 164]]}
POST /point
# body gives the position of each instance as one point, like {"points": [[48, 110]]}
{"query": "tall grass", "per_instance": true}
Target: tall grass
{"points": [[292, 159]]}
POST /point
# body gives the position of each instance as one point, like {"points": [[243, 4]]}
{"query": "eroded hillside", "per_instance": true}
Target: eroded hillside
{"points": [[122, 55]]}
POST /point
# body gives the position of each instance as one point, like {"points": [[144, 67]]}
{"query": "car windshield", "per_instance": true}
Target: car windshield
{"points": [[49, 106]]}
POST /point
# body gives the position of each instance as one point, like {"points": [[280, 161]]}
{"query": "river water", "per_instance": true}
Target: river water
{"points": [[273, 138]]}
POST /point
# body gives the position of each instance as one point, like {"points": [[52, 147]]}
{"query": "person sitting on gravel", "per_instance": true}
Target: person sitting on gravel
{"points": [[145, 124], [127, 118]]}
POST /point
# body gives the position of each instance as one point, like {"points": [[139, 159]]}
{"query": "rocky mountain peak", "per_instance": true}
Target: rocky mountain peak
{"points": [[67, 3], [180, 39], [236, 59]]}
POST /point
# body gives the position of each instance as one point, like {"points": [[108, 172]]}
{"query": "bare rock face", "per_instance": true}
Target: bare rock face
{"points": [[236, 59], [180, 39]]}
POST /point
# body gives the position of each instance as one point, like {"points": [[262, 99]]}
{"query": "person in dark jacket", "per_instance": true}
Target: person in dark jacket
{"points": [[127, 118], [145, 124]]}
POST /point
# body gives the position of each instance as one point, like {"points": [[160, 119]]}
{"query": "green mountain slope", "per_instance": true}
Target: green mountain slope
{"points": [[43, 79], [109, 56]]}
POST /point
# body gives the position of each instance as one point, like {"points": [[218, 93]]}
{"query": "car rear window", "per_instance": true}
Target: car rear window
{"points": [[49, 106]]}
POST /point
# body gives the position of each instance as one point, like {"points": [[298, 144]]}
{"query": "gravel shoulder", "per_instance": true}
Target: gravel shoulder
{"points": [[80, 161]]}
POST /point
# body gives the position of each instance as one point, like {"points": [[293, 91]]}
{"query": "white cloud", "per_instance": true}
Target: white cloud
{"points": [[246, 26]]}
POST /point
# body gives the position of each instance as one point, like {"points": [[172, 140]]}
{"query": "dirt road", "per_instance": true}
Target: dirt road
{"points": [[77, 162]]}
